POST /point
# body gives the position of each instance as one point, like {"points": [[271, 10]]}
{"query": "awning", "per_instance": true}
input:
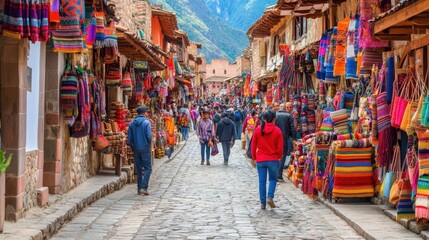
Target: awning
{"points": [[267, 76], [409, 17], [137, 49]]}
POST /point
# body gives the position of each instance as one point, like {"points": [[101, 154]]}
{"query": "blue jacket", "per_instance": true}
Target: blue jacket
{"points": [[139, 134]]}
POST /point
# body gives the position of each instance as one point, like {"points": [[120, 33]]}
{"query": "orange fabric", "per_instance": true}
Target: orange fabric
{"points": [[169, 126]]}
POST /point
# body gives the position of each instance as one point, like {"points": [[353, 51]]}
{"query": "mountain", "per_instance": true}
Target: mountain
{"points": [[239, 14], [223, 32]]}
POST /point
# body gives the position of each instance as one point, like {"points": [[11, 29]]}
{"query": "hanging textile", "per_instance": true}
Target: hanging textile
{"points": [[341, 48], [26, 19], [323, 49], [352, 48], [330, 59]]}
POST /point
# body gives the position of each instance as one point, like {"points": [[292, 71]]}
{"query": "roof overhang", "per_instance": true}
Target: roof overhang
{"points": [[137, 49], [306, 8], [180, 38], [409, 17], [267, 76], [262, 27], [167, 20]]}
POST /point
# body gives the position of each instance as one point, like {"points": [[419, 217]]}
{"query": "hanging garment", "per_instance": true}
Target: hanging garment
{"points": [[352, 48], [330, 59], [26, 19], [341, 48]]}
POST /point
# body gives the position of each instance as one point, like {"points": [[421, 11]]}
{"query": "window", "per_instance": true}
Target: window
{"points": [[276, 42], [224, 72], [214, 71], [300, 27]]}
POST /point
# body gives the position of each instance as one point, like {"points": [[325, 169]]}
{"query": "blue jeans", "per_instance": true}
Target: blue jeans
{"points": [[271, 168], [185, 133], [238, 126], [226, 149], [205, 149], [142, 161]]}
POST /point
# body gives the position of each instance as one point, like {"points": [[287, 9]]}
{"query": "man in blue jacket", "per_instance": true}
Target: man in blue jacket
{"points": [[139, 139], [225, 133]]}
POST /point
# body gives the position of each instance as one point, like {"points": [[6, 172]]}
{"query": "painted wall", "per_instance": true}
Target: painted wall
{"points": [[33, 98], [157, 36], [221, 68]]}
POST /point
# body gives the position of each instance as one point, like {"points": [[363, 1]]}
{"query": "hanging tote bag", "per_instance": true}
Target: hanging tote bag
{"points": [[391, 175]]}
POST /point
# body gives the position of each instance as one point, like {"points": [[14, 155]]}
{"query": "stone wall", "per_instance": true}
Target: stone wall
{"points": [[256, 57], [134, 15], [31, 179], [75, 160]]}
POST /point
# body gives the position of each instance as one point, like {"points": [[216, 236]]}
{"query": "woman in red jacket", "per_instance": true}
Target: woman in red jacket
{"points": [[267, 149]]}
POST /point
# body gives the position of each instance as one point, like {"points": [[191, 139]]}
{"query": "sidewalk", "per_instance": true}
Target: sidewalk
{"points": [[370, 220], [42, 223]]}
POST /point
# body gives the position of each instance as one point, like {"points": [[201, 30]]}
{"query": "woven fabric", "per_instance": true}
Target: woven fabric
{"points": [[330, 59], [110, 39], [352, 48], [383, 112], [340, 120], [341, 48], [100, 36], [323, 47], [353, 175], [422, 199], [423, 152], [369, 59], [26, 19]]}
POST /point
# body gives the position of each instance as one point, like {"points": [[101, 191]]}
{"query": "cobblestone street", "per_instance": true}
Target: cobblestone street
{"points": [[190, 201]]}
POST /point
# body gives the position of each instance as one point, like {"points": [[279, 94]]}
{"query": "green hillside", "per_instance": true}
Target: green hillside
{"points": [[219, 39]]}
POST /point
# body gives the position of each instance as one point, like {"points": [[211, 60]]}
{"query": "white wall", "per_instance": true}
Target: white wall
{"points": [[33, 98]]}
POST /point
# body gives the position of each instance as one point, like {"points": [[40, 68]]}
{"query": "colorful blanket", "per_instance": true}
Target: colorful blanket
{"points": [[353, 175]]}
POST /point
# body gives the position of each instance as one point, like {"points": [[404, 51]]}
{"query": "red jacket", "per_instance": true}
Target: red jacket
{"points": [[268, 147]]}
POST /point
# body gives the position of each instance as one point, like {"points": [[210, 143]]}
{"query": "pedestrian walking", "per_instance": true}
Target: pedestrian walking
{"points": [[225, 133], [284, 121], [205, 133], [140, 139], [267, 149], [249, 126], [185, 121], [238, 121]]}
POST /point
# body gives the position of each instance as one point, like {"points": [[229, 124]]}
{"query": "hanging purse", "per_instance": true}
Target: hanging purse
{"points": [[391, 175]]}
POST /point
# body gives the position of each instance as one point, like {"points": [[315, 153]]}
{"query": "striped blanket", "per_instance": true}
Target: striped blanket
{"points": [[353, 175], [423, 153], [422, 199]]}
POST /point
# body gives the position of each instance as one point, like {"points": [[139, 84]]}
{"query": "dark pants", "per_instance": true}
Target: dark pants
{"points": [[142, 161], [282, 162], [226, 149], [238, 126]]}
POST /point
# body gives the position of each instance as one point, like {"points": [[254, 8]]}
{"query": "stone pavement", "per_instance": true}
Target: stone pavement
{"points": [[42, 223], [190, 201]]}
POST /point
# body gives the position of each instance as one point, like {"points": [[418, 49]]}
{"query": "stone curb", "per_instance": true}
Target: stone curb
{"points": [[350, 222], [45, 227]]}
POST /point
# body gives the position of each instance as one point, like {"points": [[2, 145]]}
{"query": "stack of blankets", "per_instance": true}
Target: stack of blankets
{"points": [[353, 174]]}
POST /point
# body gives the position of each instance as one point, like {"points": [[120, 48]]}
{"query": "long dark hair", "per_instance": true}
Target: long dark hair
{"points": [[267, 117]]}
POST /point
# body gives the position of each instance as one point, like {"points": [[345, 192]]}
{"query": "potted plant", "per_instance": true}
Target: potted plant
{"points": [[4, 163]]}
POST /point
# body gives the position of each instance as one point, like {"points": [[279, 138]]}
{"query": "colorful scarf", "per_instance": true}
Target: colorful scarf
{"points": [[26, 19], [341, 48], [352, 48], [323, 47], [405, 204], [330, 58]]}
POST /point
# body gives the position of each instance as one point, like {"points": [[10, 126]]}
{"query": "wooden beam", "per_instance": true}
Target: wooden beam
{"points": [[401, 15], [414, 44], [393, 37], [406, 30]]}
